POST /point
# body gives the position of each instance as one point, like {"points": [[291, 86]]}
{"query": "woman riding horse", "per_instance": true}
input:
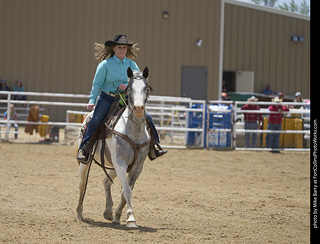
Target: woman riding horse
{"points": [[114, 57]]}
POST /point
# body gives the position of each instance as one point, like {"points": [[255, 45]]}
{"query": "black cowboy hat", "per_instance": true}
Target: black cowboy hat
{"points": [[119, 40]]}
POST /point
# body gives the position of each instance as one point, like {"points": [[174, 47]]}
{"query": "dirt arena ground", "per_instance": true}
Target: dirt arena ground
{"points": [[187, 196]]}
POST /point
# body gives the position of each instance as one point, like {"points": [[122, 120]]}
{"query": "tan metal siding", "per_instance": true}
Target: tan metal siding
{"points": [[50, 44], [260, 41]]}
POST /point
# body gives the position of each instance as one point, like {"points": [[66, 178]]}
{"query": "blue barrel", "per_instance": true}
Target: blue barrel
{"points": [[220, 120]]}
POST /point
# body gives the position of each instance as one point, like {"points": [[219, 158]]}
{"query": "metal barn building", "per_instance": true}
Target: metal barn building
{"points": [[188, 45]]}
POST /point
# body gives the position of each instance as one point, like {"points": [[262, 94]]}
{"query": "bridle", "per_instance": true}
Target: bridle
{"points": [[130, 104]]}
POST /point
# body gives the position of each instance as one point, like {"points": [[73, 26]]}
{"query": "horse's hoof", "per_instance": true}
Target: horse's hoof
{"points": [[116, 221], [108, 216], [80, 217], [132, 224]]}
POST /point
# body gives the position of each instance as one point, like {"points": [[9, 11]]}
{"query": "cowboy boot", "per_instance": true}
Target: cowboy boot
{"points": [[85, 151], [153, 151], [159, 152], [84, 154]]}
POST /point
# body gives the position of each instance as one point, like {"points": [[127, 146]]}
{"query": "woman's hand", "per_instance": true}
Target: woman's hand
{"points": [[122, 87], [89, 107]]}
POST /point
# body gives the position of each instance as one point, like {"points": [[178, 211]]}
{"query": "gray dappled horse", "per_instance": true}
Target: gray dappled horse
{"points": [[120, 154]]}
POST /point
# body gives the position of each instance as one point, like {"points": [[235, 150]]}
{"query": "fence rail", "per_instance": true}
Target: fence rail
{"points": [[181, 122], [296, 138]]}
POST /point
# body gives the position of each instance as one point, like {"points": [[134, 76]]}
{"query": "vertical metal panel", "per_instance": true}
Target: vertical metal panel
{"points": [[271, 54], [253, 23], [286, 55], [227, 38], [273, 45], [241, 38], [247, 38], [279, 54], [2, 27], [266, 38], [305, 80]]}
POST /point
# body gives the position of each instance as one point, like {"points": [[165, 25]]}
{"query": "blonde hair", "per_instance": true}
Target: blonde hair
{"points": [[104, 52], [12, 109]]}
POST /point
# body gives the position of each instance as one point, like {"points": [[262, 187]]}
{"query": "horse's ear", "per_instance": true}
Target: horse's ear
{"points": [[146, 72], [129, 72]]}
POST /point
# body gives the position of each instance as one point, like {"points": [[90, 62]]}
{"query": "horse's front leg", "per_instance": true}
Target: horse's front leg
{"points": [[109, 203], [83, 180], [126, 197]]}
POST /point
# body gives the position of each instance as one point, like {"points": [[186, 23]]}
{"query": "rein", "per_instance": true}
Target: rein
{"points": [[136, 147]]}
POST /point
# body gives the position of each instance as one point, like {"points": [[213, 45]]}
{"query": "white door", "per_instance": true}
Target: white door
{"points": [[244, 81]]}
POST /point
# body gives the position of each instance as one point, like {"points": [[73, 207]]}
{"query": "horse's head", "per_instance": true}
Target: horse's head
{"points": [[138, 90]]}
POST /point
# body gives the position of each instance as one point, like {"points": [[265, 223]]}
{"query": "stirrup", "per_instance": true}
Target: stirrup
{"points": [[88, 159], [154, 152]]}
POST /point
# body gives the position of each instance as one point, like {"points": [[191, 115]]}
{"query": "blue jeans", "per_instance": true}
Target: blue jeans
{"points": [[251, 126], [99, 114], [273, 138]]}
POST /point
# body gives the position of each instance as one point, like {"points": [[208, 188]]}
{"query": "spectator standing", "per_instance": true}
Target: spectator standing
{"points": [[4, 87], [13, 116], [252, 121], [298, 99], [19, 88], [267, 91], [281, 95], [225, 97], [275, 123]]}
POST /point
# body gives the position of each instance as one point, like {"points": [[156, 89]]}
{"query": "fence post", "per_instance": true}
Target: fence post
{"points": [[8, 116], [204, 130], [234, 122]]}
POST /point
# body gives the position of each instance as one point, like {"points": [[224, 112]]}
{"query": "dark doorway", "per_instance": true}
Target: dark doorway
{"points": [[229, 78]]}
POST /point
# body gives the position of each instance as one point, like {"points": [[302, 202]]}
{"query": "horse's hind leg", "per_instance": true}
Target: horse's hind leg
{"points": [[83, 180], [126, 197], [109, 203]]}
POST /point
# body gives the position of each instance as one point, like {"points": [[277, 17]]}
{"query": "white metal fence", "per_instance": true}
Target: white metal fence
{"points": [[169, 115], [181, 122]]}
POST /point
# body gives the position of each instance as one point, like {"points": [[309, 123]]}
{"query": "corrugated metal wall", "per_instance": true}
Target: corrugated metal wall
{"points": [[260, 41], [49, 43]]}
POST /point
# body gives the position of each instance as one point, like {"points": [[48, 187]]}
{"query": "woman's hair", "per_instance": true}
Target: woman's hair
{"points": [[104, 52], [12, 109]]}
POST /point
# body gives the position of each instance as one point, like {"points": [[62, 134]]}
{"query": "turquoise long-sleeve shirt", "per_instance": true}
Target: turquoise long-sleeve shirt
{"points": [[110, 73]]}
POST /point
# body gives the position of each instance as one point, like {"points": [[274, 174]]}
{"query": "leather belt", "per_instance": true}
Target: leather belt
{"points": [[110, 94]]}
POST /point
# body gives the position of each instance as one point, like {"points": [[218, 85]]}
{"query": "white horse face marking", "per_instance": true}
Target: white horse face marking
{"points": [[138, 91], [139, 95]]}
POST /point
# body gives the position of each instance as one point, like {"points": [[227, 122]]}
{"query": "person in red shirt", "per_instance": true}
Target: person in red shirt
{"points": [[274, 123], [252, 121]]}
